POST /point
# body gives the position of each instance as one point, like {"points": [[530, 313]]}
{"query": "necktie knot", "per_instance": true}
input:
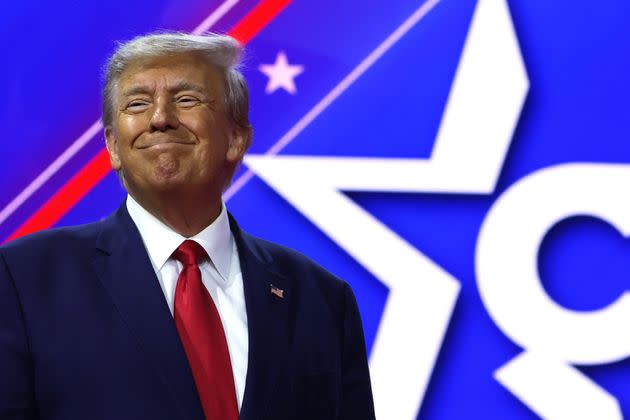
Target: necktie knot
{"points": [[190, 253]]}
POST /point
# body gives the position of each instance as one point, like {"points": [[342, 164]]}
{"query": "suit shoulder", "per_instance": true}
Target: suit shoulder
{"points": [[53, 240], [292, 263], [284, 255]]}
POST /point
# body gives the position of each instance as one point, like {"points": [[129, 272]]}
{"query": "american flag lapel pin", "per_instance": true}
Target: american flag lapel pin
{"points": [[279, 293]]}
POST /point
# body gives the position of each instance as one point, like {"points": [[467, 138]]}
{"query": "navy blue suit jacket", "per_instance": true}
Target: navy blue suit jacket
{"points": [[86, 333]]}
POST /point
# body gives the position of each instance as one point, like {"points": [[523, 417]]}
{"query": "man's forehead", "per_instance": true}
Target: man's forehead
{"points": [[184, 70]]}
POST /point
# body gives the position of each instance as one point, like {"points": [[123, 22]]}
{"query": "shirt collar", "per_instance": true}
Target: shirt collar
{"points": [[161, 241]]}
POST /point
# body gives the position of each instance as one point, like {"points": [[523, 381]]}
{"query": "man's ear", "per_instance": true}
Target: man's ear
{"points": [[239, 143], [112, 148]]}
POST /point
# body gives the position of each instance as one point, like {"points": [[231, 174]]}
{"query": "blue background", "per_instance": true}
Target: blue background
{"points": [[577, 56]]}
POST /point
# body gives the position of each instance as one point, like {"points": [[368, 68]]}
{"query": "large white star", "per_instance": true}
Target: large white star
{"points": [[281, 74], [468, 155]]}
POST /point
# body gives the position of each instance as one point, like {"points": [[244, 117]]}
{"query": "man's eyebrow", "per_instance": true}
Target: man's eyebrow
{"points": [[177, 87], [186, 85], [135, 90]]}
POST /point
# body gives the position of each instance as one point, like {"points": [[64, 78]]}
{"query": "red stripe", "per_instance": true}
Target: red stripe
{"points": [[67, 196], [257, 19], [64, 199]]}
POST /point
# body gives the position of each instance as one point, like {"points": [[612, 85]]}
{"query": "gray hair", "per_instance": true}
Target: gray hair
{"points": [[221, 51]]}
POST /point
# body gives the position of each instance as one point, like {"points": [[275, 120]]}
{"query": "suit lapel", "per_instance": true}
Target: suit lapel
{"points": [[268, 324], [125, 270]]}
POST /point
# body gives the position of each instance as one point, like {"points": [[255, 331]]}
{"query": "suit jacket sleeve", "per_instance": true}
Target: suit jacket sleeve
{"points": [[16, 387], [357, 400]]}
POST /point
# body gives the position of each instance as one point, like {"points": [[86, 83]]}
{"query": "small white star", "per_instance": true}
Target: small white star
{"points": [[281, 74]]}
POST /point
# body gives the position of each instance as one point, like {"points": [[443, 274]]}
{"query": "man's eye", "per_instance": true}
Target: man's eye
{"points": [[137, 105], [187, 101]]}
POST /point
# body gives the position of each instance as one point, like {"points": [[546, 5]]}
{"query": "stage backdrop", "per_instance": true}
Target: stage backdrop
{"points": [[464, 165]]}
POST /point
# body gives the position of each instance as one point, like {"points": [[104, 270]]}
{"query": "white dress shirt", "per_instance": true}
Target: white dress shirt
{"points": [[221, 275]]}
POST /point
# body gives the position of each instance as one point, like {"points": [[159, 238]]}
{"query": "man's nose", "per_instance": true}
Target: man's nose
{"points": [[164, 116]]}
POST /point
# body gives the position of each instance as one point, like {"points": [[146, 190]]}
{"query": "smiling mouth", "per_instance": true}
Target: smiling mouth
{"points": [[166, 143]]}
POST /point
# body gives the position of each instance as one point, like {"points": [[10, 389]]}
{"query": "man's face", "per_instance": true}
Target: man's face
{"points": [[170, 131]]}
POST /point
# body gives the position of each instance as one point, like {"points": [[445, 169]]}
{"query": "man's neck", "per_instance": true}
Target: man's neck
{"points": [[185, 215]]}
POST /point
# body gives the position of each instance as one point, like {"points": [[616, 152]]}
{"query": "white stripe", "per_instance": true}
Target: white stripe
{"points": [[97, 126], [214, 17], [50, 170], [327, 100]]}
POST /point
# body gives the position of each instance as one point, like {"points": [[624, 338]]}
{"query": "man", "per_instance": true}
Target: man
{"points": [[166, 309]]}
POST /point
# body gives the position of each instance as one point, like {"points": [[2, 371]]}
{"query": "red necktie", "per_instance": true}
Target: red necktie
{"points": [[201, 332]]}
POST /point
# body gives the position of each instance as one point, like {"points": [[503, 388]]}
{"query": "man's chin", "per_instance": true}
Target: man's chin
{"points": [[157, 186], [170, 185]]}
